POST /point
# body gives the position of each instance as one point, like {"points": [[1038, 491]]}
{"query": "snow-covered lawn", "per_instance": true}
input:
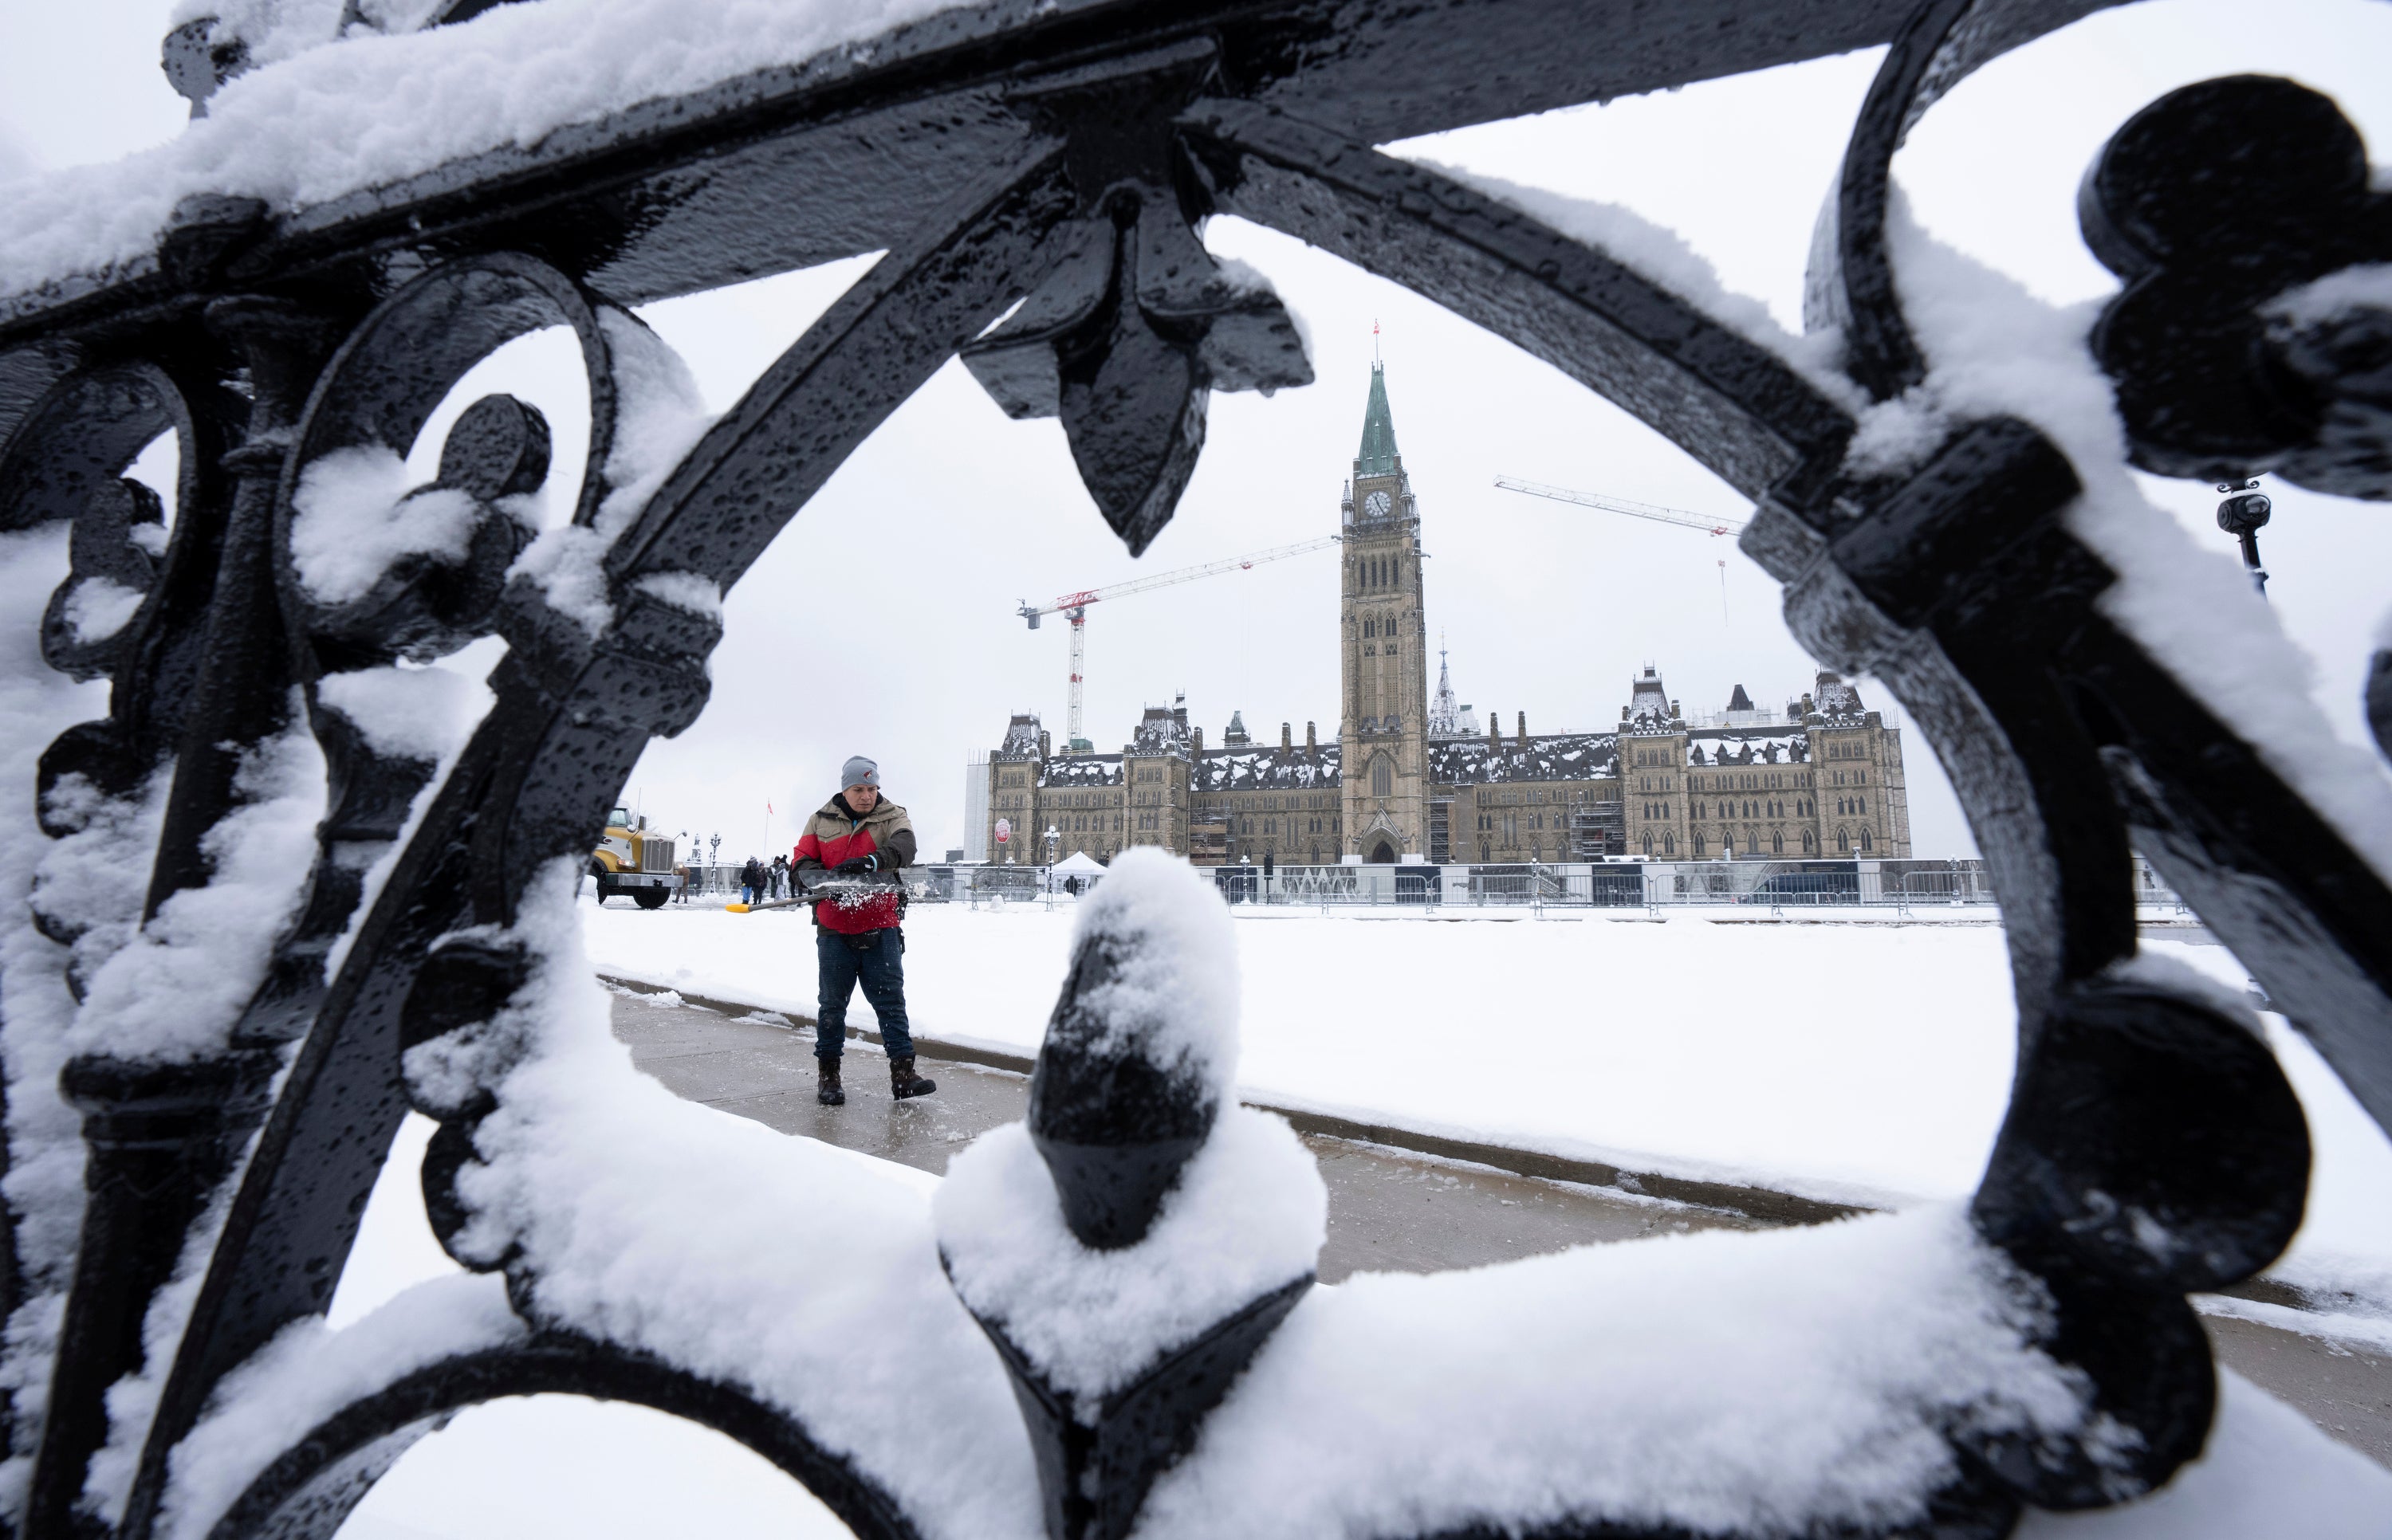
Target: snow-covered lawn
{"points": [[1864, 1062]]}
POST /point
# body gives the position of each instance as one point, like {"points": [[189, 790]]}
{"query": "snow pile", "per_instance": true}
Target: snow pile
{"points": [[91, 882], [1249, 1216], [174, 992], [1169, 993], [1153, 978], [352, 517], [801, 1272], [1994, 348], [326, 122], [2350, 292], [43, 1180], [695, 592], [1774, 1383], [269, 30], [659, 416], [405, 712], [410, 712], [178, 985], [99, 607]]}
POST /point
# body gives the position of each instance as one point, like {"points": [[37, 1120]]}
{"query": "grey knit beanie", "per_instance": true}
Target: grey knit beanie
{"points": [[860, 771]]}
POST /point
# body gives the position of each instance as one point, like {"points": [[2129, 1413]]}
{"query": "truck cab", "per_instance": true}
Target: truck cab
{"points": [[633, 861]]}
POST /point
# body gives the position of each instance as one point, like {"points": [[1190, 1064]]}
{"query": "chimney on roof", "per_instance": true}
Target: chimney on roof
{"points": [[1046, 750], [1196, 740], [1523, 729], [1311, 742], [1286, 739], [1495, 731]]}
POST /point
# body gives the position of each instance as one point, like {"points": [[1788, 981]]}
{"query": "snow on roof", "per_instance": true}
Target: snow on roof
{"points": [[1082, 769], [1559, 756], [1749, 746], [1022, 735], [1240, 769], [1836, 698]]}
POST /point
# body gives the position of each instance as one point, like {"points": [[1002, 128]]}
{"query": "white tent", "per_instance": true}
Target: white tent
{"points": [[1080, 864]]}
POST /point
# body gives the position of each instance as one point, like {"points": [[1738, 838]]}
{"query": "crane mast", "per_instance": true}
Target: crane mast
{"points": [[1622, 505], [1074, 607]]}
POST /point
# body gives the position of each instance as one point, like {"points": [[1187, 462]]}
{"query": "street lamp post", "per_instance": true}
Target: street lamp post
{"points": [[2242, 516]]}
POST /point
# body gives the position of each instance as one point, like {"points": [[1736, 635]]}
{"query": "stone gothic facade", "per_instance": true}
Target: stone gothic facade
{"points": [[1411, 776]]}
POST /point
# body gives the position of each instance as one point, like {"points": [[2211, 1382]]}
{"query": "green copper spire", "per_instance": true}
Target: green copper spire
{"points": [[1378, 455]]}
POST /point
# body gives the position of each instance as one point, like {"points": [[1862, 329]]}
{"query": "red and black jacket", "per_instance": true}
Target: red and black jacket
{"points": [[834, 836]]}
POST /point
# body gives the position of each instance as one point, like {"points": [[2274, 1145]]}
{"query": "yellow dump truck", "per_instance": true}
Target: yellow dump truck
{"points": [[634, 863]]}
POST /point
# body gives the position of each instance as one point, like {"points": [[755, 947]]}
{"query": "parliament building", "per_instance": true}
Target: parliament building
{"points": [[1410, 776]]}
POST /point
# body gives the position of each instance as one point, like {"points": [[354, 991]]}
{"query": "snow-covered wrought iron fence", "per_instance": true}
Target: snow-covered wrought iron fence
{"points": [[359, 871]]}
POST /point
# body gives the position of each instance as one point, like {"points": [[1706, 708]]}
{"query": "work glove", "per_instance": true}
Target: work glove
{"points": [[856, 866]]}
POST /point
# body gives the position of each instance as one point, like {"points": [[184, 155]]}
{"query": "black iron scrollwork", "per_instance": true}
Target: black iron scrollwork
{"points": [[1138, 324], [2233, 209], [1118, 1109], [2152, 1146]]}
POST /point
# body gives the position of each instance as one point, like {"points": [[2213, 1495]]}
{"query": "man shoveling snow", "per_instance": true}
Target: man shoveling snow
{"points": [[858, 937]]}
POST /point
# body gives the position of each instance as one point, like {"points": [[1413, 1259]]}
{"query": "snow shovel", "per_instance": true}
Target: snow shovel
{"points": [[815, 895]]}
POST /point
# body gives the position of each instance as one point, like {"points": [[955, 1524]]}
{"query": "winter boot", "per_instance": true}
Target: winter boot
{"points": [[829, 1092], [904, 1082]]}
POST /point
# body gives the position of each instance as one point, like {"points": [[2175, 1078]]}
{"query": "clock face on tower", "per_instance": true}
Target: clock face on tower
{"points": [[1375, 505]]}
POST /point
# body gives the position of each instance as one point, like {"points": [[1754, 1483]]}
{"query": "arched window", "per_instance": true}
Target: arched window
{"points": [[1383, 776], [1842, 843], [1370, 628], [1777, 844], [1669, 845], [1648, 844], [1698, 842]]}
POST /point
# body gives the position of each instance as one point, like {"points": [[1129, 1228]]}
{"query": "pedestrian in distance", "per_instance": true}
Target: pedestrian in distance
{"points": [[781, 877], [859, 934], [751, 882]]}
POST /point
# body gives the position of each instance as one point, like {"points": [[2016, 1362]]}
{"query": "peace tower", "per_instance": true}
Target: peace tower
{"points": [[1382, 656]]}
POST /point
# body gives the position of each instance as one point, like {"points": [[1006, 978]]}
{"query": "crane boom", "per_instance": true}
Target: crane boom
{"points": [[1622, 505], [1164, 579], [1074, 606]]}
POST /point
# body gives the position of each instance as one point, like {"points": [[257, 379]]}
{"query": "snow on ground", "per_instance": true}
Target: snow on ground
{"points": [[555, 1464], [1864, 1062]]}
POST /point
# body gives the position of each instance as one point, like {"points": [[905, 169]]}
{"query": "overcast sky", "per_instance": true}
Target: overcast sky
{"points": [[1546, 608]]}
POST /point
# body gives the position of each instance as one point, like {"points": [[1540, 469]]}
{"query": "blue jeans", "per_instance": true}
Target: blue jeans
{"points": [[877, 959]]}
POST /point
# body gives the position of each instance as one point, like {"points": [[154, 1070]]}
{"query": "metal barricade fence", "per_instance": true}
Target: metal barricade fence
{"points": [[1896, 884]]}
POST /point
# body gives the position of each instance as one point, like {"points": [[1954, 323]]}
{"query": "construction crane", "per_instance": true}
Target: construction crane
{"points": [[1074, 606], [1622, 505]]}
